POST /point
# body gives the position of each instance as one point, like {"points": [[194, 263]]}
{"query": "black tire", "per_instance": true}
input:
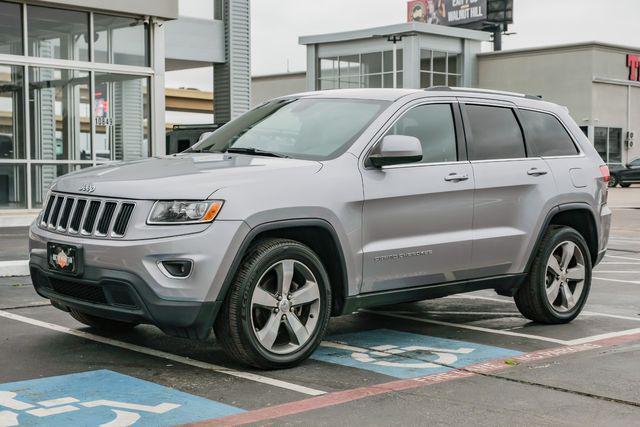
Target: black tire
{"points": [[613, 181], [233, 327], [101, 323], [625, 185], [531, 299]]}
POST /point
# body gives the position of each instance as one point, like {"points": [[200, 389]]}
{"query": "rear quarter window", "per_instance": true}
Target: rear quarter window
{"points": [[545, 135]]}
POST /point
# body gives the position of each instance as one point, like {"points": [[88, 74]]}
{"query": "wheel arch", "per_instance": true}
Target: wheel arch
{"points": [[319, 235], [578, 216]]}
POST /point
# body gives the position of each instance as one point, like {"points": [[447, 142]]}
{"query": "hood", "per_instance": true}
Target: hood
{"points": [[185, 176]]}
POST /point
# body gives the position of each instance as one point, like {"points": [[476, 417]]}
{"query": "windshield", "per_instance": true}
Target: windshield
{"points": [[305, 128]]}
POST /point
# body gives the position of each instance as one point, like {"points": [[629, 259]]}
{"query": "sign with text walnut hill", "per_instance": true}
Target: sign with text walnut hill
{"points": [[446, 12]]}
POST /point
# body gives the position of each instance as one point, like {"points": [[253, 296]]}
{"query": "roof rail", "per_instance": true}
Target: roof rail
{"points": [[478, 90]]}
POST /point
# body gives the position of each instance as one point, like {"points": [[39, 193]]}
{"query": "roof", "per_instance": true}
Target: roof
{"points": [[397, 29], [561, 47]]}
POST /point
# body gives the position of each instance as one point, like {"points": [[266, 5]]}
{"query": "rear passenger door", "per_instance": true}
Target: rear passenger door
{"points": [[513, 188]]}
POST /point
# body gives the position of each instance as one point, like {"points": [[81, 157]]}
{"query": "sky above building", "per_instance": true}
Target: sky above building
{"points": [[277, 24]]}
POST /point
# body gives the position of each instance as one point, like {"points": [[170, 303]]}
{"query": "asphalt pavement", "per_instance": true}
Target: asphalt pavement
{"points": [[466, 359]]}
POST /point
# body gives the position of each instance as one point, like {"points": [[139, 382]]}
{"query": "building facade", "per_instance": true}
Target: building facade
{"points": [[409, 55], [82, 82], [595, 81]]}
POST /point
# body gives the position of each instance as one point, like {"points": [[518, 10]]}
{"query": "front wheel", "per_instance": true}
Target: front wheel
{"points": [[613, 181], [278, 308], [560, 278]]}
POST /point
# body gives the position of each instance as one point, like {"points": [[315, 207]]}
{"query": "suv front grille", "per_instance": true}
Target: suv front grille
{"points": [[70, 214]]}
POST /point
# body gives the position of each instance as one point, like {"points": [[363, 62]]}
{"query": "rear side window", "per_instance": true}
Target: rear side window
{"points": [[433, 125], [545, 134], [495, 133]]}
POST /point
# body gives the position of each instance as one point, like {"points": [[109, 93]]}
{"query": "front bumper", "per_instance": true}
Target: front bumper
{"points": [[121, 280]]}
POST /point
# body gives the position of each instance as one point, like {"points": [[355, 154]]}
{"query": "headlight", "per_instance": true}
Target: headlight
{"points": [[184, 212]]}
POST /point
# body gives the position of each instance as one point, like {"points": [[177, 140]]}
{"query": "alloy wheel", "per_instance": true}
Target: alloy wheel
{"points": [[565, 276], [285, 307]]}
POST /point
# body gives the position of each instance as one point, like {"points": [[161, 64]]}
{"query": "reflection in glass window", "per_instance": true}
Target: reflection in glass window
{"points": [[121, 40], [60, 114], [57, 33], [433, 125], [47, 173], [13, 183], [10, 28], [121, 111], [12, 144]]}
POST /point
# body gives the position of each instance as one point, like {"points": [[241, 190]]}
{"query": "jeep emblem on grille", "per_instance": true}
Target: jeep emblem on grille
{"points": [[87, 188]]}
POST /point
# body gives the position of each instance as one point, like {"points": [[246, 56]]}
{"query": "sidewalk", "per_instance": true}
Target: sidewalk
{"points": [[14, 245]]}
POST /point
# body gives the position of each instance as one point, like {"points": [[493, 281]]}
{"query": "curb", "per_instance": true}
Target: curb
{"points": [[14, 268]]}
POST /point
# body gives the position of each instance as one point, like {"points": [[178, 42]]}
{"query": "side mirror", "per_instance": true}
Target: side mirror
{"points": [[395, 150]]}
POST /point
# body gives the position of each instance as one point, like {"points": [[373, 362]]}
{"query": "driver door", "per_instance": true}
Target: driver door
{"points": [[418, 217]]}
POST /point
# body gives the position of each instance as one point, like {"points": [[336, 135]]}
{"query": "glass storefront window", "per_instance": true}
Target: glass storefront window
{"points": [[438, 69], [608, 143], [73, 118], [10, 28], [60, 114], [121, 40], [121, 114], [12, 145], [367, 70], [13, 184], [58, 33], [43, 175]]}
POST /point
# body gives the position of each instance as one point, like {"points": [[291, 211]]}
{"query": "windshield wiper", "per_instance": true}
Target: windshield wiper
{"points": [[255, 152]]}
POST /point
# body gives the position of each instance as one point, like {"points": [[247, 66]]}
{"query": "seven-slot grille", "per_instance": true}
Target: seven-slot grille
{"points": [[70, 214]]}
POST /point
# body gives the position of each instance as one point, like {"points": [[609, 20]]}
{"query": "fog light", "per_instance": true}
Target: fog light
{"points": [[176, 268]]}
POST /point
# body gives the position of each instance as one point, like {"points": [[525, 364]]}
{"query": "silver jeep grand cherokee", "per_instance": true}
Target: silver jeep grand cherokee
{"points": [[315, 205]]}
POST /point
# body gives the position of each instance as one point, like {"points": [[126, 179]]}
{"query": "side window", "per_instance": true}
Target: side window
{"points": [[546, 135], [495, 133], [433, 125]]}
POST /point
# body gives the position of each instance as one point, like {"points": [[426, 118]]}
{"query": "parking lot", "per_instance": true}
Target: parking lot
{"points": [[461, 359]]}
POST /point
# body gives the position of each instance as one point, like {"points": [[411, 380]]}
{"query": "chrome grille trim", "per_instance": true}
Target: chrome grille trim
{"points": [[72, 214]]}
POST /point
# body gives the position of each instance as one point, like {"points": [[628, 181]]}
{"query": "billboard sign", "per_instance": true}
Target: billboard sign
{"points": [[447, 12]]}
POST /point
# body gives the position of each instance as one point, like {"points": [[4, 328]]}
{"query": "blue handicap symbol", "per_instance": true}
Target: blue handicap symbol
{"points": [[405, 355], [102, 398]]}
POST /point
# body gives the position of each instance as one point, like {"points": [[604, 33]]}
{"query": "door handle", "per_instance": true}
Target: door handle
{"points": [[536, 172], [454, 177]]}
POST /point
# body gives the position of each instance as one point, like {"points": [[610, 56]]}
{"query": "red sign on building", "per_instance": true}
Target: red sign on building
{"points": [[633, 62]]}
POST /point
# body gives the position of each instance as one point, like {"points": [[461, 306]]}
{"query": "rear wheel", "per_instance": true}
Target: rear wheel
{"points": [[560, 278], [613, 181], [101, 323], [278, 307]]}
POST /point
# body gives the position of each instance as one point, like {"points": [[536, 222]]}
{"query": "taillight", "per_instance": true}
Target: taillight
{"points": [[604, 170]]}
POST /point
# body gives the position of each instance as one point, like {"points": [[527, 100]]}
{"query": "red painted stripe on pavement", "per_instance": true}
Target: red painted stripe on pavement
{"points": [[346, 396]]}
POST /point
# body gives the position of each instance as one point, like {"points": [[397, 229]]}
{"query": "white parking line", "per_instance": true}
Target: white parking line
{"points": [[510, 301], [623, 257], [463, 326], [618, 263], [616, 271], [633, 282], [578, 341], [164, 355]]}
